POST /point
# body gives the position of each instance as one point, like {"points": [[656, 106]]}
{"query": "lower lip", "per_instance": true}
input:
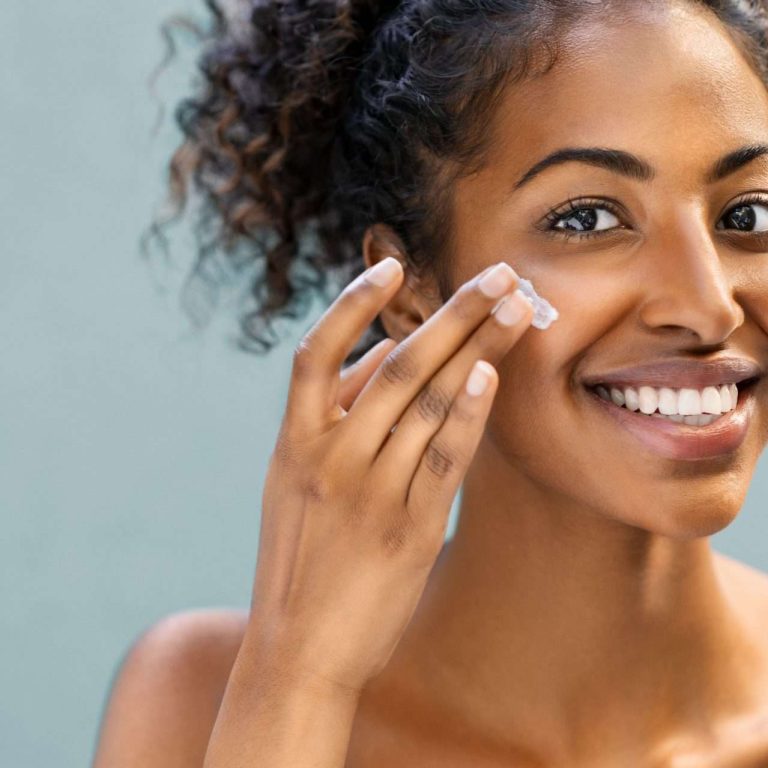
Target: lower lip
{"points": [[681, 441]]}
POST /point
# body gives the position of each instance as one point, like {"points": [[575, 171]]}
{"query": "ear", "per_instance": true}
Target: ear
{"points": [[414, 301]]}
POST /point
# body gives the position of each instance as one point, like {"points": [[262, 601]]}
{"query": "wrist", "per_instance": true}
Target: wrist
{"points": [[281, 666]]}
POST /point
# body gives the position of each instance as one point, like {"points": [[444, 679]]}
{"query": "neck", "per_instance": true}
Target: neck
{"points": [[539, 616]]}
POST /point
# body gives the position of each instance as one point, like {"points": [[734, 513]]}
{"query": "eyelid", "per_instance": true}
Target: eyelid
{"points": [[749, 198]]}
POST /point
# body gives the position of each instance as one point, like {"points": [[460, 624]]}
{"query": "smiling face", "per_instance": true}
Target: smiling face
{"points": [[659, 265]]}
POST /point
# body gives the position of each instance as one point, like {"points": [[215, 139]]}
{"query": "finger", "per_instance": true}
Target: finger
{"points": [[356, 375], [450, 451], [415, 360], [319, 355], [426, 414]]}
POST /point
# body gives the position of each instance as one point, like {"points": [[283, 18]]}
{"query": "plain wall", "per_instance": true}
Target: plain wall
{"points": [[132, 447]]}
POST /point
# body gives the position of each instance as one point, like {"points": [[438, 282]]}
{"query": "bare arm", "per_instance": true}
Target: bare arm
{"points": [[191, 692], [275, 716]]}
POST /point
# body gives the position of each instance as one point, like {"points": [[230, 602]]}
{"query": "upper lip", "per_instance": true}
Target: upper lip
{"points": [[680, 374]]}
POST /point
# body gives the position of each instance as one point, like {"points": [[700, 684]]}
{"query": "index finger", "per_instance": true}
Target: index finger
{"points": [[317, 360]]}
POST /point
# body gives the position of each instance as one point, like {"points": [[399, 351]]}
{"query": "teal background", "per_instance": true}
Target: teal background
{"points": [[132, 446]]}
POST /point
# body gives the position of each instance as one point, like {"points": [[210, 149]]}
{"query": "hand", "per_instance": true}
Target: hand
{"points": [[354, 514]]}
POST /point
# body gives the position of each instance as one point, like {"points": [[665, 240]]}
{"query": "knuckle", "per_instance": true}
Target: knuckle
{"points": [[398, 533], [438, 458], [317, 489], [399, 366], [433, 403], [393, 539]]}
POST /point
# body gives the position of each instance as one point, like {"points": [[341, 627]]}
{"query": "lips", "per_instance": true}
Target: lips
{"points": [[679, 374], [679, 441]]}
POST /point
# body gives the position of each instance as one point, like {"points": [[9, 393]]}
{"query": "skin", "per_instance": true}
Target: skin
{"points": [[579, 616], [580, 611]]}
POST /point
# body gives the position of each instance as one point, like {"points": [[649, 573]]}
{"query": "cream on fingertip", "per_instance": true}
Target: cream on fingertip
{"points": [[544, 313]]}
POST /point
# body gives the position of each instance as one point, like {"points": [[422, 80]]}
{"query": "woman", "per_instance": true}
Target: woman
{"points": [[615, 154]]}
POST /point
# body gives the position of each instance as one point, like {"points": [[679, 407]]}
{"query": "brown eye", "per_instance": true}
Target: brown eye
{"points": [[583, 219], [749, 216]]}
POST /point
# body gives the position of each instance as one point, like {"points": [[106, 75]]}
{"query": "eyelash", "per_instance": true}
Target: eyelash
{"points": [[554, 216]]}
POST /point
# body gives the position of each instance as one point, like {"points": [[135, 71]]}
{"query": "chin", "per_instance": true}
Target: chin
{"points": [[684, 517]]}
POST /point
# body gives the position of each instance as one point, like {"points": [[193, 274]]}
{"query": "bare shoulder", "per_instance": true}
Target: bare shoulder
{"points": [[748, 588], [167, 690], [744, 576]]}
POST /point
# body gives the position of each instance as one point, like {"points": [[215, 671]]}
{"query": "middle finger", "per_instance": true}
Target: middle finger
{"points": [[414, 361]]}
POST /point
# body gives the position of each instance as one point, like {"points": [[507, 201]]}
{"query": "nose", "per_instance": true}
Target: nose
{"points": [[688, 284]]}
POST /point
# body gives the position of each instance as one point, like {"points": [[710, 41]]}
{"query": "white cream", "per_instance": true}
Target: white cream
{"points": [[544, 313]]}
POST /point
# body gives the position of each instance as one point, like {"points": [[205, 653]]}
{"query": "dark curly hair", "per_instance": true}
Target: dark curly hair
{"points": [[316, 118]]}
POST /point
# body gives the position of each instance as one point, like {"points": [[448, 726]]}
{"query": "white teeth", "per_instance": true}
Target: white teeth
{"points": [[711, 402], [617, 396], [685, 405], [649, 399], [725, 397], [632, 399], [689, 402], [668, 401], [700, 420]]}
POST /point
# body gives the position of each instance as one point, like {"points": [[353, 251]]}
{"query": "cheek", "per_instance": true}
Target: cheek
{"points": [[544, 425], [540, 433], [754, 298], [553, 444], [535, 410], [761, 420]]}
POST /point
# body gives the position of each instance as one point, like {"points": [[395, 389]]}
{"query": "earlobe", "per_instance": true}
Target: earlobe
{"points": [[408, 308]]}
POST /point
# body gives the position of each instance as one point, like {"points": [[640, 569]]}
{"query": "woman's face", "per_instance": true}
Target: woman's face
{"points": [[655, 269]]}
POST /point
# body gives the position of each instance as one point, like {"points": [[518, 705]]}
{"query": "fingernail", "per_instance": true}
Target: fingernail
{"points": [[478, 379], [511, 310], [497, 282], [383, 273]]}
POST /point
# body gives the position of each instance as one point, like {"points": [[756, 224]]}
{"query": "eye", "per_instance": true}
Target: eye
{"points": [[586, 218], [749, 215], [582, 219]]}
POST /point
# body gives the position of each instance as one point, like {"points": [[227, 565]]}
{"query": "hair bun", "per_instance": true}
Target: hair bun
{"points": [[258, 138]]}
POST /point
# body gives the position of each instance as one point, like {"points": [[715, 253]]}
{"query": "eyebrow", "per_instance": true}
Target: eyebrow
{"points": [[634, 167]]}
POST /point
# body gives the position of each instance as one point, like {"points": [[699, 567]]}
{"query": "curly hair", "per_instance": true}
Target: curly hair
{"points": [[314, 119]]}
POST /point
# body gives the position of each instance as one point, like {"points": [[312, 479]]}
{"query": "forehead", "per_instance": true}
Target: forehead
{"points": [[670, 85]]}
